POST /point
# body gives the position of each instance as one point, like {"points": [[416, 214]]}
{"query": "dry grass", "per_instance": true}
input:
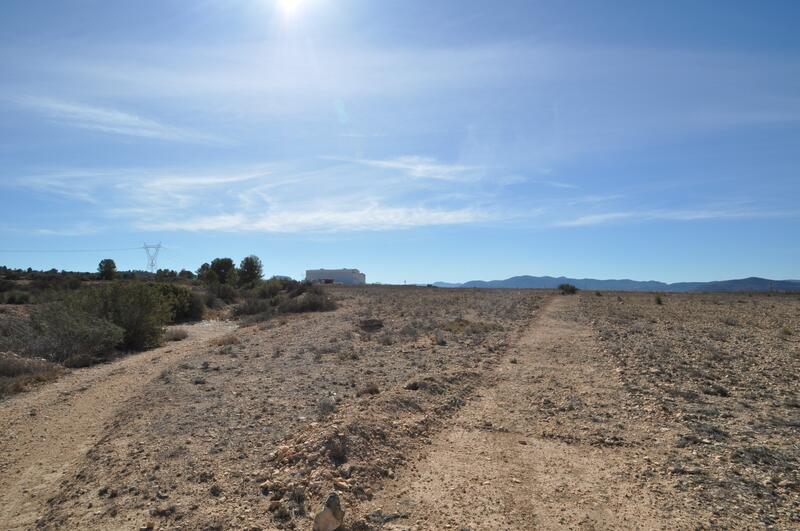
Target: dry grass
{"points": [[17, 373], [176, 334], [230, 339]]}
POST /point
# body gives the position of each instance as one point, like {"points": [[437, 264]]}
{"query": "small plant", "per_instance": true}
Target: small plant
{"points": [[176, 334], [369, 389], [567, 289], [786, 331], [659, 300], [386, 340], [598, 294], [326, 406], [438, 338], [228, 339]]}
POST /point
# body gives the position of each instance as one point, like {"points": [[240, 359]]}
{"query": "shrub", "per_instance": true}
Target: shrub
{"points": [[16, 373], [77, 361], [185, 305], [326, 406], [61, 331], [270, 288], [369, 389], [567, 289], [212, 301], [659, 300], [176, 334], [18, 297], [228, 339], [226, 292], [139, 309], [253, 307], [310, 301]]}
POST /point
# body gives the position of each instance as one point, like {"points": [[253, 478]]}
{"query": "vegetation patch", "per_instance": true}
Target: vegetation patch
{"points": [[17, 373]]}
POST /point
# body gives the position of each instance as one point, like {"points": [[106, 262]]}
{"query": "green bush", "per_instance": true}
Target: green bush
{"points": [[58, 331], [253, 306], [62, 331], [226, 292], [269, 288], [139, 309], [567, 289], [312, 299], [18, 297], [184, 304]]}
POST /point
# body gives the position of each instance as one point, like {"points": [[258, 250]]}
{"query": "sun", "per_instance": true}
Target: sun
{"points": [[289, 8]]}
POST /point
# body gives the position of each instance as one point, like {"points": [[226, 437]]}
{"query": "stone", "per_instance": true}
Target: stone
{"points": [[331, 516]]}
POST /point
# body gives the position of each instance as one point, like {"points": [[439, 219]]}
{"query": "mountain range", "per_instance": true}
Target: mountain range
{"points": [[527, 281]]}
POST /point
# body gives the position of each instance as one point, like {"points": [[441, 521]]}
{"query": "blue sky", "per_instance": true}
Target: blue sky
{"points": [[415, 140]]}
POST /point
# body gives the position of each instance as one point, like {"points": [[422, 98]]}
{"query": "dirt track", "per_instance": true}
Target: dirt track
{"points": [[501, 465], [47, 431]]}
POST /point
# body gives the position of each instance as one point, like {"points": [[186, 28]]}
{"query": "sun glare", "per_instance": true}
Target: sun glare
{"points": [[289, 8]]}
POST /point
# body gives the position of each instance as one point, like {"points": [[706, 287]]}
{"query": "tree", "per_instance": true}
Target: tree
{"points": [[223, 268], [202, 271], [166, 274], [107, 269], [250, 270]]}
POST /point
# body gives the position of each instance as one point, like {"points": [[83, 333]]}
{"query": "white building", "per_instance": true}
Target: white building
{"points": [[349, 277]]}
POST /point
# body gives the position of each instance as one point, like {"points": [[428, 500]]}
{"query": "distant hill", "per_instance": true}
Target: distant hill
{"points": [[527, 281]]}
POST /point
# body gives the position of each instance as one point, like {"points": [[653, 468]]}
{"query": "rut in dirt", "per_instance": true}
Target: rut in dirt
{"points": [[48, 430], [548, 446]]}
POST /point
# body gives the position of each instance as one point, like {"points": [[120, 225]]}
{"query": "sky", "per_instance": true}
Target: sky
{"points": [[417, 141]]}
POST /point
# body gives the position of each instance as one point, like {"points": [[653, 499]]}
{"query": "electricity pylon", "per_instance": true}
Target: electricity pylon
{"points": [[152, 255]]}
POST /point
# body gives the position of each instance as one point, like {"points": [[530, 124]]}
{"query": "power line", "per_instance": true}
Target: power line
{"points": [[70, 250]]}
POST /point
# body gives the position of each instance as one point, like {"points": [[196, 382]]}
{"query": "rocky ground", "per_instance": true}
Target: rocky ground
{"points": [[429, 409], [722, 372], [255, 427]]}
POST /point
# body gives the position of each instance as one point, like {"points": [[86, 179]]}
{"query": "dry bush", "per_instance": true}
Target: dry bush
{"points": [[16, 373], [369, 389], [57, 332], [326, 406], [228, 339], [176, 334]]}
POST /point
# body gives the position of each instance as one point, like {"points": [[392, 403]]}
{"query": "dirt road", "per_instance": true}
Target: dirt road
{"points": [[543, 448], [47, 431]]}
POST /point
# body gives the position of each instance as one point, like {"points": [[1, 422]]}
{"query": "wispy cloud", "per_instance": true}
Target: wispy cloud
{"points": [[732, 212], [281, 197], [373, 218], [112, 121], [419, 167]]}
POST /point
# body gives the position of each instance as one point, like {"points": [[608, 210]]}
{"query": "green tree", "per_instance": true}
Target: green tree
{"points": [[107, 269], [250, 270], [223, 268]]}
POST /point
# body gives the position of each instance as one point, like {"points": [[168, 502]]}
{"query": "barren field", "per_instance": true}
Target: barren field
{"points": [[429, 409]]}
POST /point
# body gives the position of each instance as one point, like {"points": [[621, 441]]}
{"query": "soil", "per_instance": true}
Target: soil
{"points": [[428, 408]]}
